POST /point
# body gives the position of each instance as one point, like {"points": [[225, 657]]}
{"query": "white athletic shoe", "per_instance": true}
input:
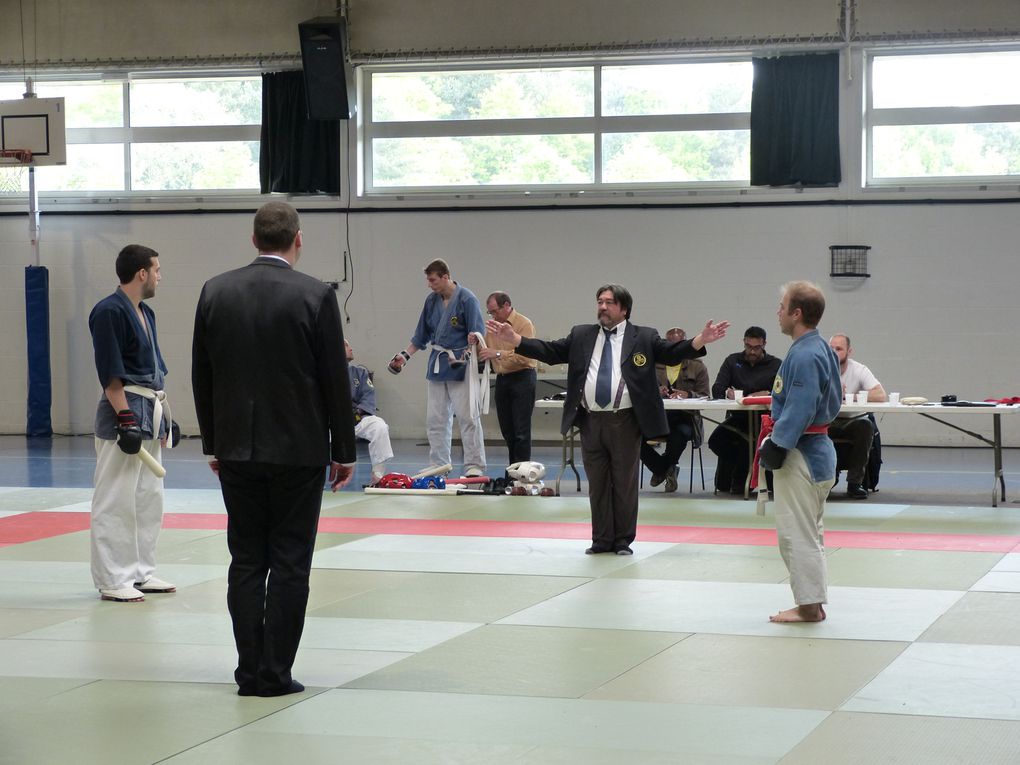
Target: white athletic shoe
{"points": [[122, 595], [473, 473], [152, 584]]}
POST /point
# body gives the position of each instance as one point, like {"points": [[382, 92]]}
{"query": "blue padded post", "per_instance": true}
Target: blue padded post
{"points": [[37, 323]]}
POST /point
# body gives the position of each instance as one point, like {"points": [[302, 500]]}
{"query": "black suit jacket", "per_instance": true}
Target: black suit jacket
{"points": [[642, 349], [268, 369]]}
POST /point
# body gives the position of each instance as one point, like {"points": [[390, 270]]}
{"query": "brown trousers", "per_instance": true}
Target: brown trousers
{"points": [[610, 450]]}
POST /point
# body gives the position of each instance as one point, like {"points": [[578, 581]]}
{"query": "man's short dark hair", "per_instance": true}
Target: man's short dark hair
{"points": [[501, 299], [620, 294], [276, 227], [808, 297], [755, 332], [133, 259], [438, 268]]}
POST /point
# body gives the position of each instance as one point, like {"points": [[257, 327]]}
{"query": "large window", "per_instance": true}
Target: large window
{"points": [[944, 117], [588, 126], [154, 135]]}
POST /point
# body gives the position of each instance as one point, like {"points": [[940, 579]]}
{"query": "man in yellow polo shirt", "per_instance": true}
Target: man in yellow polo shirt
{"points": [[515, 378]]}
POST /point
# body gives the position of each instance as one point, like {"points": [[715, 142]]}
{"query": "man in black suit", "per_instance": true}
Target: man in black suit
{"points": [[273, 400], [613, 398]]}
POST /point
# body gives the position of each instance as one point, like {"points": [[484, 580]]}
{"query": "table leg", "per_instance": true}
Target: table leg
{"points": [[997, 449], [752, 442], [568, 459]]}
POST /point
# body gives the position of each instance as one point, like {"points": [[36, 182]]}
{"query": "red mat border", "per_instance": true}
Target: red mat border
{"points": [[33, 526]]}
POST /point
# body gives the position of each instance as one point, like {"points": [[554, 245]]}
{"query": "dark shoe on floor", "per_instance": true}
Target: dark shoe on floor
{"points": [[656, 480], [595, 550], [856, 491], [624, 550], [294, 687], [671, 483]]}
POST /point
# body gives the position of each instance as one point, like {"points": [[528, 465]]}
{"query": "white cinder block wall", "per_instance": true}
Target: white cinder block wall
{"points": [[939, 314]]}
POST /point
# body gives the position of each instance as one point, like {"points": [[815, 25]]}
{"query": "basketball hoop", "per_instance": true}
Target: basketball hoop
{"points": [[12, 170]]}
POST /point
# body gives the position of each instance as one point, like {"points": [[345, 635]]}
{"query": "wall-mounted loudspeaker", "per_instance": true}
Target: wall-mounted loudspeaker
{"points": [[329, 77]]}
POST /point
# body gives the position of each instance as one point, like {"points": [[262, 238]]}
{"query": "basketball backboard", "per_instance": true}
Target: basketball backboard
{"points": [[36, 124]]}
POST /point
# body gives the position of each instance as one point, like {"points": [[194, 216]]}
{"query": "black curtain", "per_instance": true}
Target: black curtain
{"points": [[795, 121], [298, 155]]}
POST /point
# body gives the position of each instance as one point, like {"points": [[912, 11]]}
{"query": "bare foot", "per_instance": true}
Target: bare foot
{"points": [[812, 612]]}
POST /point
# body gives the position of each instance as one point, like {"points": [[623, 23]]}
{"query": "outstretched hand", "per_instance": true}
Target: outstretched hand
{"points": [[713, 332], [500, 330]]}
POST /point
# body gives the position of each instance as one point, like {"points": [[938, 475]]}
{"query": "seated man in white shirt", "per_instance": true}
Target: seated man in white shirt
{"points": [[858, 429]]}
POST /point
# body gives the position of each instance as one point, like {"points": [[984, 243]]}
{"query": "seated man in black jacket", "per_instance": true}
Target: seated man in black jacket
{"points": [[753, 372], [688, 379]]}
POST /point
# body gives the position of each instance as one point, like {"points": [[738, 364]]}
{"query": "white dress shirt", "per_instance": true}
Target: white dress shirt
{"points": [[593, 372]]}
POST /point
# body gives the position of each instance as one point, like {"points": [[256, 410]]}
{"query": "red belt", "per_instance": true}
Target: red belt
{"points": [[767, 423]]}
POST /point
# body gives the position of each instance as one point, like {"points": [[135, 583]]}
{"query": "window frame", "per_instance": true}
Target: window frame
{"points": [[873, 117], [127, 135], [597, 125]]}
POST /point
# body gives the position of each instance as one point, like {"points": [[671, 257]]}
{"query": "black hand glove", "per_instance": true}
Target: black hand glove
{"points": [[175, 434], [129, 435], [771, 455]]}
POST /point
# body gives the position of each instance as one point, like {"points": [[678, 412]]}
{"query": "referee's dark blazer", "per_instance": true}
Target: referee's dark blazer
{"points": [[269, 372], [642, 349]]}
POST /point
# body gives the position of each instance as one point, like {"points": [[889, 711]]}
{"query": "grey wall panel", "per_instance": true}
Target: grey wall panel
{"points": [[74, 31], [381, 26], [938, 17]]}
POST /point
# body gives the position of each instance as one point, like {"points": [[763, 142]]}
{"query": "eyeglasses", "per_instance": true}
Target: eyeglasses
{"points": [[749, 347]]}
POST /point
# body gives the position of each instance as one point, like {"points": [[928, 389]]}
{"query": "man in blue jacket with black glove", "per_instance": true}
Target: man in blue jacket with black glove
{"points": [[132, 414]]}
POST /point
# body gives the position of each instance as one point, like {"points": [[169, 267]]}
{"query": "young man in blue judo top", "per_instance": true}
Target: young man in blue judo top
{"points": [[449, 315]]}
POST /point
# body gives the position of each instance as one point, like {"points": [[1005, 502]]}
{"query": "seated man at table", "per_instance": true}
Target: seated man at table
{"points": [[854, 434], [688, 379], [752, 371]]}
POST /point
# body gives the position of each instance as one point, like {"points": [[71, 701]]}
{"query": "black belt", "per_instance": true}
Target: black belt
{"points": [[604, 412]]}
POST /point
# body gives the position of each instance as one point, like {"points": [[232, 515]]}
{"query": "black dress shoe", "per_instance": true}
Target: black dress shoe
{"points": [[595, 550], [624, 550], [856, 491], [294, 687]]}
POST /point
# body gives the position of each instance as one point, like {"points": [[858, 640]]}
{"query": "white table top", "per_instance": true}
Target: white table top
{"points": [[705, 405]]}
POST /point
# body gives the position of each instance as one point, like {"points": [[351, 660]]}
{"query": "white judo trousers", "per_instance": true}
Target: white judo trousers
{"points": [[800, 504], [127, 514], [375, 430], [445, 399]]}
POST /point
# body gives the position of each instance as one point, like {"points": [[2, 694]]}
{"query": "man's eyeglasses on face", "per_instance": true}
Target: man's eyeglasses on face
{"points": [[749, 347]]}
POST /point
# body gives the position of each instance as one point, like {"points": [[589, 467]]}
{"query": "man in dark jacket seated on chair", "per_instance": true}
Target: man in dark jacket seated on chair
{"points": [[688, 379], [752, 371]]}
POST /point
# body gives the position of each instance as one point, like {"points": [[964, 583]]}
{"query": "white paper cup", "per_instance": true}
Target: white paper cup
{"points": [[894, 398], [862, 397], [848, 398], [738, 395]]}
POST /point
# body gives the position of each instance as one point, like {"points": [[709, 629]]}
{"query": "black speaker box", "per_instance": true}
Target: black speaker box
{"points": [[329, 76]]}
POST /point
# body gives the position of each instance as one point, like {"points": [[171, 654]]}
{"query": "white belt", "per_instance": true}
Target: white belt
{"points": [[159, 401], [454, 361], [478, 382]]}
